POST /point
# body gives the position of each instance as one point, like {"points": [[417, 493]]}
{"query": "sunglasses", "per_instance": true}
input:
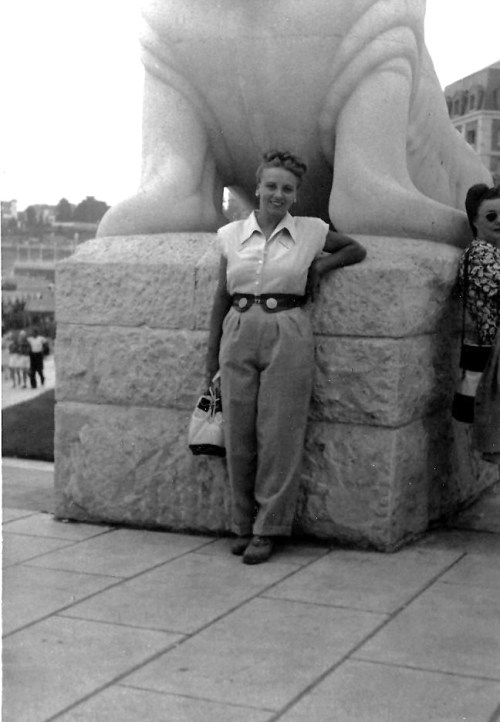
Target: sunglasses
{"points": [[491, 216]]}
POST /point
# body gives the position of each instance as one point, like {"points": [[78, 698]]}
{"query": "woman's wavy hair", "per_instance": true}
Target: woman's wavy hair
{"points": [[475, 196], [282, 159]]}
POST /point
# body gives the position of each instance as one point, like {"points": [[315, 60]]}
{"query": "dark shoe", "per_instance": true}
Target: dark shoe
{"points": [[259, 550], [240, 544]]}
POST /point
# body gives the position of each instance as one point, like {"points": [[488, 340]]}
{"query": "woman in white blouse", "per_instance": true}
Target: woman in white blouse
{"points": [[262, 341]]}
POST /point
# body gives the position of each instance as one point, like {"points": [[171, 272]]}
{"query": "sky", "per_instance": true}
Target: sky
{"points": [[70, 124]]}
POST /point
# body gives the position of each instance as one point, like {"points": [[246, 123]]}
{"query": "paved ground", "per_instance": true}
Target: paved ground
{"points": [[17, 395], [104, 624]]}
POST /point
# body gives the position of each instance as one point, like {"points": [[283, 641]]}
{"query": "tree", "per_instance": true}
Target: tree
{"points": [[64, 211], [31, 217], [90, 210]]}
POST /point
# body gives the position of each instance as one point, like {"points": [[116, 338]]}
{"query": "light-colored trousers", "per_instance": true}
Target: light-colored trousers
{"points": [[267, 366]]}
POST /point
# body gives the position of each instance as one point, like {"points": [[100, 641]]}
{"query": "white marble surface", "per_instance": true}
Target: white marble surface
{"points": [[348, 85]]}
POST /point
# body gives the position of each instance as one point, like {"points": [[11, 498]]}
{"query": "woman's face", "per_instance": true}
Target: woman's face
{"points": [[277, 191], [488, 221]]}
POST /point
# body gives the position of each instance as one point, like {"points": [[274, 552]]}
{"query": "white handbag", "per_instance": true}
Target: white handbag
{"points": [[206, 432]]}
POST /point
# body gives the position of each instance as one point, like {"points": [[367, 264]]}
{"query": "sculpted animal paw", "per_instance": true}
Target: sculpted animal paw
{"points": [[348, 86]]}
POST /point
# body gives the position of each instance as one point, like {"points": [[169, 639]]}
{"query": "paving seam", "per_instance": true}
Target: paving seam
{"points": [[110, 683], [24, 562], [410, 668], [19, 518], [159, 654], [121, 624], [198, 699], [325, 605], [360, 644], [495, 717], [122, 580], [119, 581], [70, 543], [59, 538]]}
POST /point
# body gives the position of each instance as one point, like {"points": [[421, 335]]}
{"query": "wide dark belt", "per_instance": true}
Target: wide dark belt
{"points": [[270, 302]]}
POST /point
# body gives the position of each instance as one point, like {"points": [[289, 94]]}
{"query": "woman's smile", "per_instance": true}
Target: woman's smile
{"points": [[277, 192]]}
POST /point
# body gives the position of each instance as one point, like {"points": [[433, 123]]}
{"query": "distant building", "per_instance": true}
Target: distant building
{"points": [[9, 210], [474, 109], [43, 213], [37, 270]]}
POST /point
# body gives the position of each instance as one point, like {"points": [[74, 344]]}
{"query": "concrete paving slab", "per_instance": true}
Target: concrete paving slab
{"points": [[475, 570], [30, 594], [28, 485], [264, 654], [467, 542], [361, 692], [135, 705], [295, 551], [45, 525], [483, 515], [13, 514], [123, 552], [57, 662], [449, 628], [365, 580], [18, 548], [183, 595]]}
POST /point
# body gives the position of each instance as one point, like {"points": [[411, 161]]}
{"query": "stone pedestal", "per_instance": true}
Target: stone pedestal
{"points": [[382, 457]]}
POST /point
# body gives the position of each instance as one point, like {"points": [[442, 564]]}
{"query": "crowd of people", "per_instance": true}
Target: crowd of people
{"points": [[23, 355]]}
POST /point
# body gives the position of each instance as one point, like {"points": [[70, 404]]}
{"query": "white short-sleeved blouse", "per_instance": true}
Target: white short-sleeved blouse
{"points": [[277, 265]]}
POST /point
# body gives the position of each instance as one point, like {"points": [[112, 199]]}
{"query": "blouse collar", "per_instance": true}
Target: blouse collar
{"points": [[251, 226]]}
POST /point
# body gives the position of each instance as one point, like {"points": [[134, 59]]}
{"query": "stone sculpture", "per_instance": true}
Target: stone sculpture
{"points": [[346, 84]]}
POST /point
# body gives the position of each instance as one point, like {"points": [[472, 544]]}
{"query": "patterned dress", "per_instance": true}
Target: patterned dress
{"points": [[483, 288], [483, 305]]}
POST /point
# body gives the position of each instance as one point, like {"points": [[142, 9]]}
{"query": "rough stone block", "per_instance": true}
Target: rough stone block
{"points": [[358, 380], [131, 465], [131, 281], [168, 281], [402, 288], [382, 459], [130, 366], [382, 381], [365, 485]]}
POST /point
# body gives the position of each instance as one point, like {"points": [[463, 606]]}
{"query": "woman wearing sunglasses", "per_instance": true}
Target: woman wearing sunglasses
{"points": [[479, 279], [261, 336]]}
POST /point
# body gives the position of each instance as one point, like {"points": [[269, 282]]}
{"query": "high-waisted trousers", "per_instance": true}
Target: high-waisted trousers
{"points": [[267, 367]]}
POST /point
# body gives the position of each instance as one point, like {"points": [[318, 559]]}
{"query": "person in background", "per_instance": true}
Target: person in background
{"points": [[261, 336], [37, 344], [14, 361], [480, 265], [24, 352], [6, 341]]}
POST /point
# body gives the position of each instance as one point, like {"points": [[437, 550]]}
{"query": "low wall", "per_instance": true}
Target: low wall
{"points": [[382, 458]]}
